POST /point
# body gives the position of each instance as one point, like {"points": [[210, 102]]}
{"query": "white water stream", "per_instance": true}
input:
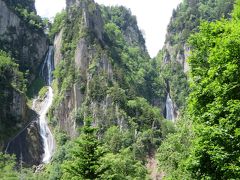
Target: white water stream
{"points": [[47, 137], [169, 109]]}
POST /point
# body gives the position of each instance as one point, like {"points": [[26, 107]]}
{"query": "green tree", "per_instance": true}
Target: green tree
{"points": [[11, 80], [122, 166], [10, 76], [85, 156], [174, 151], [58, 23], [7, 165], [115, 139], [214, 103]]}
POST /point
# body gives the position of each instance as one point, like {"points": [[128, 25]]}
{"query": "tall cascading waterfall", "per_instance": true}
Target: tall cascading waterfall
{"points": [[169, 108], [47, 137]]}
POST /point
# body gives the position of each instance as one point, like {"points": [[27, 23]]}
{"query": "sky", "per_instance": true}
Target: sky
{"points": [[153, 16]]}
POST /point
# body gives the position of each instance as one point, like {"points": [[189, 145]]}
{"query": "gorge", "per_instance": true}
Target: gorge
{"points": [[81, 98]]}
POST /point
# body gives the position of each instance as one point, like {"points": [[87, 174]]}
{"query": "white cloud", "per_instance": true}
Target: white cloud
{"points": [[49, 8], [153, 16]]}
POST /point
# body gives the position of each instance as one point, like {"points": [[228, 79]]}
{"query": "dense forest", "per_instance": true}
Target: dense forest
{"points": [[81, 98]]}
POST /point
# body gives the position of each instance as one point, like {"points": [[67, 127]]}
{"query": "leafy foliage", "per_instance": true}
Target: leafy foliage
{"points": [[85, 160], [10, 76], [174, 151], [11, 81], [31, 18], [42, 92], [185, 21], [122, 166], [7, 165], [58, 23], [214, 102], [186, 18]]}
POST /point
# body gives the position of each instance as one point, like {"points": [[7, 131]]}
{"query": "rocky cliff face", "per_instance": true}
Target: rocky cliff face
{"points": [[57, 47], [20, 136], [73, 97], [27, 4], [27, 44], [91, 15], [27, 146], [94, 69], [184, 22]]}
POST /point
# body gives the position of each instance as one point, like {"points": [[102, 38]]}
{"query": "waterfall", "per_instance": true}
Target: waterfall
{"points": [[47, 137], [169, 108]]}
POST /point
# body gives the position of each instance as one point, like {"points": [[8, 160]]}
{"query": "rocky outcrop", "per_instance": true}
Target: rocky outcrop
{"points": [[57, 48], [8, 18], [81, 56], [21, 135], [95, 68], [14, 114], [70, 3], [65, 113], [172, 53], [19, 107], [28, 4], [15, 106], [26, 44], [91, 16], [132, 33], [27, 145], [186, 67], [75, 96], [84, 56]]}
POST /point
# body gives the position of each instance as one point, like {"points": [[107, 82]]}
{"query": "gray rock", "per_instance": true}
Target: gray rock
{"points": [[25, 43], [57, 48], [28, 46]]}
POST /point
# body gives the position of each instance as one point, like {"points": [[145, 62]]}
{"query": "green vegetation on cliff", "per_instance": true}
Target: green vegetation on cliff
{"points": [[212, 151], [11, 82], [185, 20], [26, 10], [11, 77], [22, 49], [107, 86], [118, 88], [187, 17]]}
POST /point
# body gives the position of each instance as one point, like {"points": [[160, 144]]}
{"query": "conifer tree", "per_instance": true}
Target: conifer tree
{"points": [[85, 156]]}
